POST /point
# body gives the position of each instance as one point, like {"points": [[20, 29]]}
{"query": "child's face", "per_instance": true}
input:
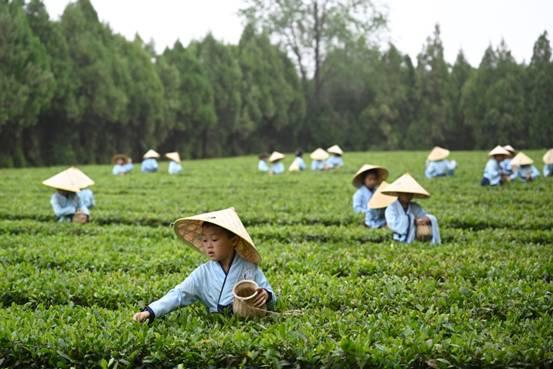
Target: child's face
{"points": [[499, 158], [218, 244], [370, 180], [405, 198], [120, 161]]}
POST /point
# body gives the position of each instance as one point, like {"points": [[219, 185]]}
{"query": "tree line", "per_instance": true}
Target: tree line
{"points": [[73, 91]]}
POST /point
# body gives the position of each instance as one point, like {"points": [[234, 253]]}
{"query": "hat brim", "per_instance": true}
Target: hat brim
{"points": [[416, 195], [382, 175], [190, 231], [115, 158]]}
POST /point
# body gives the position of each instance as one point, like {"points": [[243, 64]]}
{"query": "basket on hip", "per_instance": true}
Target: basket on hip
{"points": [[423, 232], [244, 293]]}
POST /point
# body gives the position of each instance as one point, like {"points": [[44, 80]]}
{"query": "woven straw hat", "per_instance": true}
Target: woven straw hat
{"points": [[336, 150], [151, 154], [65, 181], [406, 184], [82, 179], [294, 167], [379, 200], [521, 159], [510, 149], [438, 153], [498, 150], [116, 157], [190, 231], [319, 154], [173, 156], [275, 156], [548, 157], [381, 172]]}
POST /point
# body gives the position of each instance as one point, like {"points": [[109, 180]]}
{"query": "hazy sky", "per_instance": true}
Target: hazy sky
{"points": [[468, 24]]}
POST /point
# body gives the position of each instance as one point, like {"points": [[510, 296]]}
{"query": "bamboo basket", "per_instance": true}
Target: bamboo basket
{"points": [[423, 232], [244, 293]]}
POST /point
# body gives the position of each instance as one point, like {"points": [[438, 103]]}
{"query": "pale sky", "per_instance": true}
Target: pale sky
{"points": [[468, 24]]}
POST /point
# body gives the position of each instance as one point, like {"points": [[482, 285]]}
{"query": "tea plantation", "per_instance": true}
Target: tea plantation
{"points": [[484, 298]]}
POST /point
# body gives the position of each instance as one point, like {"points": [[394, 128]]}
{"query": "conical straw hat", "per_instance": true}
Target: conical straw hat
{"points": [[173, 156], [190, 231], [319, 154], [406, 184], [151, 154], [381, 172], [116, 157], [510, 149], [379, 200], [82, 179], [438, 153], [548, 157], [64, 181], [335, 150], [498, 150], [275, 156], [521, 159], [294, 167]]}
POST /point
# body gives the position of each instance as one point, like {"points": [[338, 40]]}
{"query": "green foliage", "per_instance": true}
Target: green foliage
{"points": [[481, 299]]}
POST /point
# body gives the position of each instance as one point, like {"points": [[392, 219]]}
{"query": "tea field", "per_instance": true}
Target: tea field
{"points": [[484, 298]]}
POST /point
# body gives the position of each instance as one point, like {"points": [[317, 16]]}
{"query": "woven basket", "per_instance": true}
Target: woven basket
{"points": [[423, 232], [244, 293], [80, 218]]}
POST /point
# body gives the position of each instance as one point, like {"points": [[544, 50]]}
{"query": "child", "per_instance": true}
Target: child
{"points": [[276, 163], [523, 168], [122, 164], [221, 236], [298, 164], [66, 202], [318, 156], [366, 180], [263, 165], [336, 160], [379, 201], [437, 165], [548, 161], [86, 195], [406, 218], [493, 173], [174, 165], [506, 163], [149, 165]]}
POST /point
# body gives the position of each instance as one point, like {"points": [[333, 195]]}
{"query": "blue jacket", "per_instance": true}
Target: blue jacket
{"points": [[212, 286], [440, 168], [262, 166], [87, 198], [317, 165], [174, 167], [493, 172], [277, 168], [523, 172], [335, 161], [374, 218], [66, 206], [402, 222], [548, 170], [149, 165]]}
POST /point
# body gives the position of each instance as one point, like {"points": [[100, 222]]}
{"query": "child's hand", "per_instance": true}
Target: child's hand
{"points": [[422, 220], [140, 317], [261, 298]]}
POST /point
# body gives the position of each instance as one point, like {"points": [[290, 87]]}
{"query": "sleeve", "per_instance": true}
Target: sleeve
{"points": [[535, 172], [358, 205], [262, 282], [396, 219], [546, 170], [492, 173], [59, 210], [183, 294], [417, 210]]}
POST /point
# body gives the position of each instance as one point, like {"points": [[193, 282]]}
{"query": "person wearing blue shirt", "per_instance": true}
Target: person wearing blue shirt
{"points": [[87, 198], [437, 165], [493, 173], [276, 163], [221, 236], [149, 164], [298, 164], [505, 164], [548, 161], [405, 218], [366, 180], [263, 165], [335, 160], [67, 202], [523, 168], [175, 166], [122, 165], [318, 156]]}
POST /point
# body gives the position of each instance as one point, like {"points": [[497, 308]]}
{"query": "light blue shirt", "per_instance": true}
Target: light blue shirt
{"points": [[402, 222], [122, 169], [277, 168], [506, 166], [335, 161], [548, 170], [440, 168], [87, 198], [149, 165], [317, 165], [174, 167], [66, 206], [262, 166], [374, 218], [524, 172], [209, 284], [300, 163], [492, 172]]}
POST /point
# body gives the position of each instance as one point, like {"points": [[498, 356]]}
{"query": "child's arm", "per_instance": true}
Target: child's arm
{"points": [[358, 205], [59, 210], [264, 285], [396, 219]]}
